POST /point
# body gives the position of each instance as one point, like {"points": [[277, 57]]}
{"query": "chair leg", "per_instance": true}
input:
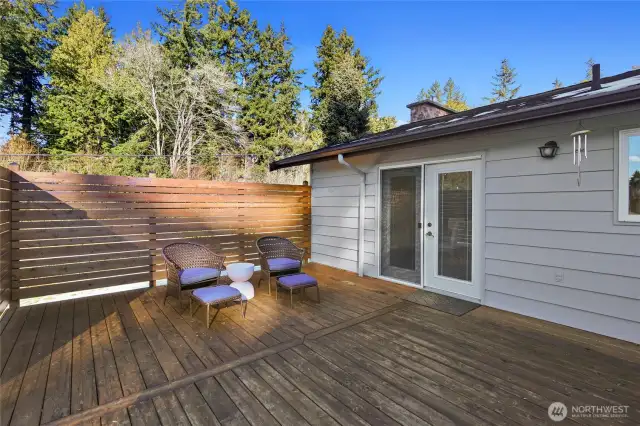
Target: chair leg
{"points": [[190, 308], [208, 323], [291, 296], [269, 285], [318, 292], [276, 290], [244, 312]]}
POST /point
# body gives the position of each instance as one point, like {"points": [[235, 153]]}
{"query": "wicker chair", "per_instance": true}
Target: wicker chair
{"points": [[180, 257], [278, 256]]}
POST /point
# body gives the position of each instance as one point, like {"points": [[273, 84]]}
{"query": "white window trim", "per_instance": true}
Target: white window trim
{"points": [[623, 170]]}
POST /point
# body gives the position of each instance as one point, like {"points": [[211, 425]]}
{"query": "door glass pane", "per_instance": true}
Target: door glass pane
{"points": [[455, 196], [399, 218], [634, 175]]}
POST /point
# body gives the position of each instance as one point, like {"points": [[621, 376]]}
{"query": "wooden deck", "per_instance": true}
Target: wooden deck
{"points": [[361, 356]]}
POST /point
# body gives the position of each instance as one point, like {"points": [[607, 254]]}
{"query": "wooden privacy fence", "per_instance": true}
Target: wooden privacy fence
{"points": [[75, 232]]}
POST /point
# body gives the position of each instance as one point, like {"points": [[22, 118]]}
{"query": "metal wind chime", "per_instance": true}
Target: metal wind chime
{"points": [[579, 148]]}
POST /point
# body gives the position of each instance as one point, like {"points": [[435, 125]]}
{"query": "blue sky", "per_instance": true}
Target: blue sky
{"points": [[414, 43]]}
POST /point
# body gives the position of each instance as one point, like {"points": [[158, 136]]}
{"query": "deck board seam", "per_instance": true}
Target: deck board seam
{"points": [[126, 401]]}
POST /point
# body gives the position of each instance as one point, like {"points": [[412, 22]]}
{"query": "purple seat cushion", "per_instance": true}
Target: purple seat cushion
{"points": [[297, 280], [196, 275], [216, 294], [283, 264]]}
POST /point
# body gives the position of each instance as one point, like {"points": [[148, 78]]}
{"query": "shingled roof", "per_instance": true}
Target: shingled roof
{"points": [[614, 90]]}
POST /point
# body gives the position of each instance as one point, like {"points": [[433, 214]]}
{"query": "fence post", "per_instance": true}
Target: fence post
{"points": [[13, 167], [152, 238]]}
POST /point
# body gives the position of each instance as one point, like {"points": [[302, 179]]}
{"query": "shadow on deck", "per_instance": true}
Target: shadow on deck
{"points": [[361, 356]]}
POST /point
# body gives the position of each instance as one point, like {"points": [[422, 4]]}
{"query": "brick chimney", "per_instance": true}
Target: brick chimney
{"points": [[423, 110]]}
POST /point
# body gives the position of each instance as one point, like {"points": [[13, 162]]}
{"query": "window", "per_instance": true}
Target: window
{"points": [[629, 176]]}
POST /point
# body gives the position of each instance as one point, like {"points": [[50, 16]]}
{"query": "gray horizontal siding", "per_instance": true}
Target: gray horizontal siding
{"points": [[563, 163], [621, 244], [561, 182], [596, 201], [596, 323], [590, 222], [597, 303], [335, 209], [615, 285], [553, 250]]}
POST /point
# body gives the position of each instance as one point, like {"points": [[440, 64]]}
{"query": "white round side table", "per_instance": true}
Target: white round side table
{"points": [[240, 273]]}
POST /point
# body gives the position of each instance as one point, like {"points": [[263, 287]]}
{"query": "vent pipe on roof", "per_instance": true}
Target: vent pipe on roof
{"points": [[595, 77], [363, 187]]}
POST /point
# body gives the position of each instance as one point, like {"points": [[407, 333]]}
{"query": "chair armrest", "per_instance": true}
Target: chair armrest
{"points": [[264, 263], [301, 252], [173, 271]]}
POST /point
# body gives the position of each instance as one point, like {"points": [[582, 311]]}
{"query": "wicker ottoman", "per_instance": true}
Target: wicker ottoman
{"points": [[297, 282], [215, 295]]}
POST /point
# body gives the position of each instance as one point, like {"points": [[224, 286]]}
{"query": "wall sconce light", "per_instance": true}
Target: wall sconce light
{"points": [[549, 149]]}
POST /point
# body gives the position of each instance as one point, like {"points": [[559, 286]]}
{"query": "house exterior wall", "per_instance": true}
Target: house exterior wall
{"points": [[552, 250]]}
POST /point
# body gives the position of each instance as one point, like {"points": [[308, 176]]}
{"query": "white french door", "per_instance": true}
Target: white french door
{"points": [[452, 226]]}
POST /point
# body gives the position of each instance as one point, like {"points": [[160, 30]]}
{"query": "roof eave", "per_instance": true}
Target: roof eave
{"points": [[559, 108]]}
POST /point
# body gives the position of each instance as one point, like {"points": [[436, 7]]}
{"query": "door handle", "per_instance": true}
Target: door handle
{"points": [[429, 234]]}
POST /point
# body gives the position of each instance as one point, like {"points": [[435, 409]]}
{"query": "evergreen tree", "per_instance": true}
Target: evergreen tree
{"points": [[60, 27], [504, 84], [181, 33], [557, 84], [24, 49], [455, 100], [380, 124], [434, 93], [345, 110], [231, 36], [81, 114], [451, 96], [272, 97], [332, 53]]}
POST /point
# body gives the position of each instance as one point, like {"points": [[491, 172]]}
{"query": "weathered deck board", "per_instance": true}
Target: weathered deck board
{"points": [[365, 359], [12, 376], [35, 379], [57, 400], [128, 370]]}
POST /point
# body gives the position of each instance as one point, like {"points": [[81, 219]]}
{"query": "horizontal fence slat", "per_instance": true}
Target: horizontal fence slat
{"points": [[26, 215], [123, 207], [66, 252], [221, 222], [104, 231], [112, 281], [77, 268], [129, 197], [72, 232], [218, 189], [66, 178]]}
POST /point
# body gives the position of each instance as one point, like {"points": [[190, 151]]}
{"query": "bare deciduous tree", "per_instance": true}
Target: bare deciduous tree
{"points": [[185, 107]]}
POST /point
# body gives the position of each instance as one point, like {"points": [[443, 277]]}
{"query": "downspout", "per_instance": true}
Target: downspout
{"points": [[363, 177]]}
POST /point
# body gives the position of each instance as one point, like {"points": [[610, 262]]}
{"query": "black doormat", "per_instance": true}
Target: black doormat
{"points": [[439, 302]]}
